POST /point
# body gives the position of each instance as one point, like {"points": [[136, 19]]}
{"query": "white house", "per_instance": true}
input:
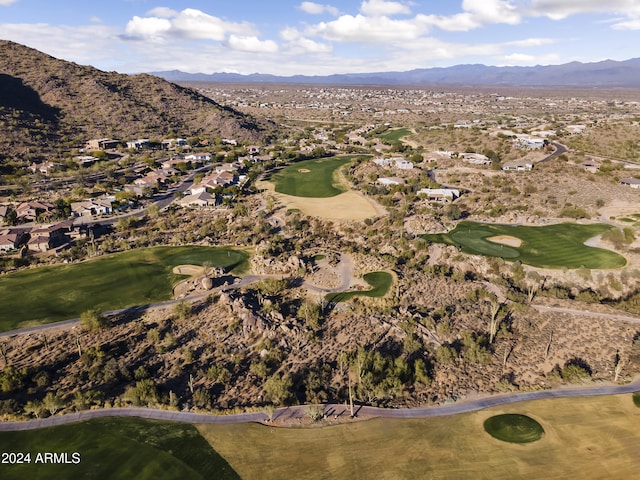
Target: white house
{"points": [[202, 199], [630, 182], [391, 181], [440, 194], [396, 162], [518, 166]]}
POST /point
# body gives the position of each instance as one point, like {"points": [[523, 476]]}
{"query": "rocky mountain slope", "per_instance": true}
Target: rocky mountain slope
{"points": [[47, 103]]}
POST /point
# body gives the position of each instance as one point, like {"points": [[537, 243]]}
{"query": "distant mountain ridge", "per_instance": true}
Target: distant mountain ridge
{"points": [[608, 73], [48, 104]]}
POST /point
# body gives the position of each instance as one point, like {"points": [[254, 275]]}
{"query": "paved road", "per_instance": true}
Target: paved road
{"points": [[560, 149], [294, 414]]}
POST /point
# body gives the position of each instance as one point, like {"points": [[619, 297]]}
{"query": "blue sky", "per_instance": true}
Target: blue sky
{"points": [[289, 37]]}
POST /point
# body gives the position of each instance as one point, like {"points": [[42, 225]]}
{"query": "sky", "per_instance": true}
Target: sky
{"points": [[290, 37]]}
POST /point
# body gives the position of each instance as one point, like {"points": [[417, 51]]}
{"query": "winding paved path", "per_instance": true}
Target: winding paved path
{"points": [[294, 414]]}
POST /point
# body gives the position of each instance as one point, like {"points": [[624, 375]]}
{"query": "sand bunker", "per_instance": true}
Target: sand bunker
{"points": [[303, 170], [346, 206], [506, 240], [191, 270]]}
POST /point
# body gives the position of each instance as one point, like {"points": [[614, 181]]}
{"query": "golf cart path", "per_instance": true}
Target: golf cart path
{"points": [[289, 415]]}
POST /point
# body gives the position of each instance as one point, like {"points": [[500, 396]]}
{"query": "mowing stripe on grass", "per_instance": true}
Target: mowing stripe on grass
{"points": [[49, 294], [312, 178], [549, 246]]}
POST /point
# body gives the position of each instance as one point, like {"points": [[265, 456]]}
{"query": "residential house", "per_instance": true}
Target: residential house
{"points": [[30, 211], [157, 177], [198, 157], [529, 142], [391, 181], [174, 142], [86, 160], [138, 144], [93, 206], [475, 158], [518, 166], [45, 167], [201, 199], [47, 237], [395, 162], [102, 144], [440, 194], [214, 180], [591, 167], [630, 182], [11, 238]]}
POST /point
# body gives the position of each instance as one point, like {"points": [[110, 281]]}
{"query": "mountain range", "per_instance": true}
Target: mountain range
{"points": [[48, 106], [608, 73]]}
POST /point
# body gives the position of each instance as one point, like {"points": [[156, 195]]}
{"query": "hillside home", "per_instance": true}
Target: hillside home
{"points": [[475, 158], [11, 238], [102, 144], [200, 200], [29, 211], [529, 142], [630, 182], [442, 195], [391, 181], [48, 237], [395, 162], [138, 144], [45, 167], [86, 160], [94, 206], [517, 166], [198, 157]]}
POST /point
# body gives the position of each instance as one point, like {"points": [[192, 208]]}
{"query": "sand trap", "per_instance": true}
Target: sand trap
{"points": [[191, 270], [303, 170], [506, 240], [346, 206]]}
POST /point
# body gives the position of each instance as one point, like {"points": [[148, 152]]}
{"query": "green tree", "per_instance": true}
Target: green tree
{"points": [[93, 320], [278, 389]]}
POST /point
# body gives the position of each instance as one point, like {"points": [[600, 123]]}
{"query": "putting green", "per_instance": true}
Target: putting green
{"points": [[550, 246], [395, 135], [138, 277], [312, 178], [379, 281], [514, 428]]}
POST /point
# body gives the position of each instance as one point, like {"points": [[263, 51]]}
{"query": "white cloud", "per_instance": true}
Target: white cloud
{"points": [[377, 8], [162, 12], [532, 42], [149, 27], [369, 29], [628, 25], [252, 44], [297, 42], [560, 9], [6, 3], [313, 8], [191, 23], [188, 24], [492, 11]]}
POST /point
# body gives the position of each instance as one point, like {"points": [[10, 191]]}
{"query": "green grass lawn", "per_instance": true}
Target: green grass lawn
{"points": [[380, 283], [395, 135], [117, 448], [137, 277], [312, 178], [514, 428], [550, 246], [586, 438]]}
